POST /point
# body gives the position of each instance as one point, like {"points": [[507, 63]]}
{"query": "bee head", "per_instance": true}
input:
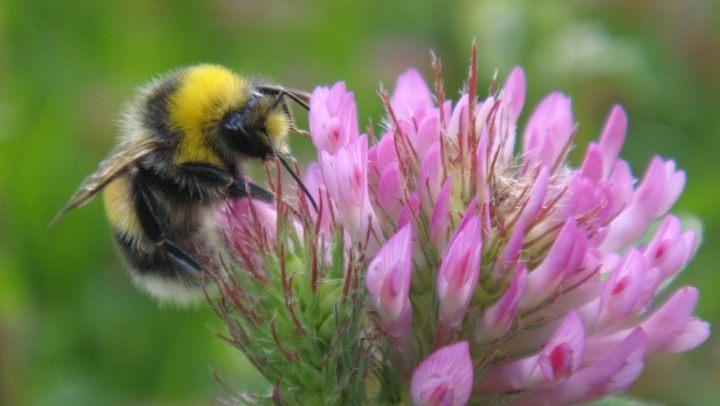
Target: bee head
{"points": [[257, 128], [212, 102]]}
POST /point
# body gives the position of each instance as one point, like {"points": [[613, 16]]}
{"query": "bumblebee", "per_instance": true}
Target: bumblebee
{"points": [[183, 142]]}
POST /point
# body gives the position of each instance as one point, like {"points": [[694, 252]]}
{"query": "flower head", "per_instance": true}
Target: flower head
{"points": [[492, 276]]}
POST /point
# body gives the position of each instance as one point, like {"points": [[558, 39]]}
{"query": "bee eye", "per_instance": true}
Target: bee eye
{"points": [[234, 121], [242, 135], [239, 119], [237, 123]]}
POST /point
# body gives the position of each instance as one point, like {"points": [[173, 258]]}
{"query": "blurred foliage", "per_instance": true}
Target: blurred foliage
{"points": [[73, 329]]}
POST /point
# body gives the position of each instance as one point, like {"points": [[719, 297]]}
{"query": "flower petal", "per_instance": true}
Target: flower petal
{"points": [[445, 378], [411, 93], [612, 138]]}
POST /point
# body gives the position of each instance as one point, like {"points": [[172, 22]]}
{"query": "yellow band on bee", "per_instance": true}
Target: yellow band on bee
{"points": [[206, 92], [119, 206]]}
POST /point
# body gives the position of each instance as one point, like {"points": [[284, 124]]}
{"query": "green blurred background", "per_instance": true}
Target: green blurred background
{"points": [[73, 329]]}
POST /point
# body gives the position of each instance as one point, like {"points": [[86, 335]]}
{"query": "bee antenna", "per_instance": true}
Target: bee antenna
{"points": [[292, 172]]}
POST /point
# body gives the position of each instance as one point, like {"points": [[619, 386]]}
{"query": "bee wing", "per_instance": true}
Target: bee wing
{"points": [[120, 157]]}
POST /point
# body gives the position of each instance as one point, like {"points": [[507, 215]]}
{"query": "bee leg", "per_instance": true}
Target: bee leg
{"points": [[292, 126], [288, 112], [186, 261], [210, 176], [149, 218], [146, 209], [280, 94], [300, 98], [242, 188], [205, 181]]}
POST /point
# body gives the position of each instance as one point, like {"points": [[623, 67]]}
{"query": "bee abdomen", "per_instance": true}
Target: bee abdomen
{"points": [[166, 263], [154, 270], [145, 258]]}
